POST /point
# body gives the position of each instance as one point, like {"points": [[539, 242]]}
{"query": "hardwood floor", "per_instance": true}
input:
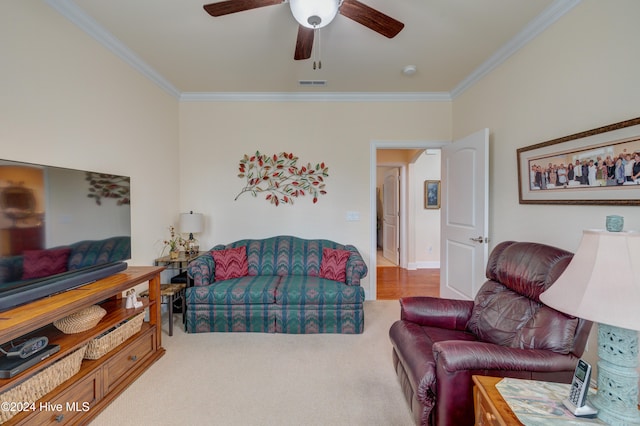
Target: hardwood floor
{"points": [[394, 282]]}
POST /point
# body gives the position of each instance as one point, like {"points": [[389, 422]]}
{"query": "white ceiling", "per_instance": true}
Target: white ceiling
{"points": [[185, 50]]}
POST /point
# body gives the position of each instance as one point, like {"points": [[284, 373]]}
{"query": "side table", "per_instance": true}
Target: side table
{"points": [[509, 401], [489, 406], [178, 264], [169, 293]]}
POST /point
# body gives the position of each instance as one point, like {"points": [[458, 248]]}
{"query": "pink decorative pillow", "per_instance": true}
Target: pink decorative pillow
{"points": [[42, 263], [230, 263], [334, 264]]}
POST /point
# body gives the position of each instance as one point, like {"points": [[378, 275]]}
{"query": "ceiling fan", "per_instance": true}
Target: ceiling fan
{"points": [[313, 15]]}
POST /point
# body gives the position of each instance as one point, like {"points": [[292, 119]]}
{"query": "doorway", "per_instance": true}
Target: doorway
{"points": [[410, 200]]}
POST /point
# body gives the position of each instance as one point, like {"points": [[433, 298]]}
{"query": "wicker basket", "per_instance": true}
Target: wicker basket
{"points": [[103, 344], [82, 320], [43, 382]]}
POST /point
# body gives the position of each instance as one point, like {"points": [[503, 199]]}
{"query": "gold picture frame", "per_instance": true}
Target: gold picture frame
{"points": [[548, 171], [431, 194]]}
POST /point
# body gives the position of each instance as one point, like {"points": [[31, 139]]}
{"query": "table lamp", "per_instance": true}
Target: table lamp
{"points": [[191, 223], [602, 284]]}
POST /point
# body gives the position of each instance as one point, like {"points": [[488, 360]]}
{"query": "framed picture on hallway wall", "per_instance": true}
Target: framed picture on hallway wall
{"points": [[599, 166], [431, 194]]}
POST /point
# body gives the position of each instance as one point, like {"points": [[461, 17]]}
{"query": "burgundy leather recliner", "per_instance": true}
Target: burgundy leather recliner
{"points": [[438, 344]]}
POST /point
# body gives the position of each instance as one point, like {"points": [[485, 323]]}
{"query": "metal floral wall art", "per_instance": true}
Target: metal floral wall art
{"points": [[280, 178]]}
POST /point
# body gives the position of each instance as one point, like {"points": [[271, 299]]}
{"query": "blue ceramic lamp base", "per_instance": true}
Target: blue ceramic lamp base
{"points": [[617, 396]]}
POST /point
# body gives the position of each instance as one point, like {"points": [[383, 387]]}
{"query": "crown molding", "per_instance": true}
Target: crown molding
{"points": [[72, 12], [315, 97], [549, 16], [75, 14]]}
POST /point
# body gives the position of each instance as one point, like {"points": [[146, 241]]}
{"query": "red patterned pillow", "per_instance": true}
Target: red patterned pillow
{"points": [[230, 263], [334, 264], [42, 263]]}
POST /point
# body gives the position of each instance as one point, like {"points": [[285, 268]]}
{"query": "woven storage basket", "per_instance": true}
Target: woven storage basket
{"points": [[103, 344], [43, 382], [82, 320]]}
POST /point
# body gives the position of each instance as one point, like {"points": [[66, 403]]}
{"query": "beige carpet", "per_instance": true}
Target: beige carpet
{"points": [[269, 379]]}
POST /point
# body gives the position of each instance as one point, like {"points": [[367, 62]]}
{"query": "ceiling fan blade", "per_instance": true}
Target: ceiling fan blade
{"points": [[371, 18], [304, 43], [233, 6]]}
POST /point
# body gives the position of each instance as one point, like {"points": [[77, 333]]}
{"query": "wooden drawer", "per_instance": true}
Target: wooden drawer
{"points": [[484, 414], [490, 409], [116, 369], [69, 405]]}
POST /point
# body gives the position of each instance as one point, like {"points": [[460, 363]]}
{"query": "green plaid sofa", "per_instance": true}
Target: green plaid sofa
{"points": [[282, 292]]}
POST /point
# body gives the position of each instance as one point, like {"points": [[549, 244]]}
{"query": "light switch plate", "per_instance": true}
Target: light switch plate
{"points": [[353, 216]]}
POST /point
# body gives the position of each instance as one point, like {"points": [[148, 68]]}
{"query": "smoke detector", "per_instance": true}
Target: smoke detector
{"points": [[409, 70]]}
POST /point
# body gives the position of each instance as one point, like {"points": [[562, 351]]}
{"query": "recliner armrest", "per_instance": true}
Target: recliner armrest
{"points": [[431, 311], [457, 355]]}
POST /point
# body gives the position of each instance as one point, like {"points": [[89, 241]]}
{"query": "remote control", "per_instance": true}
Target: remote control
{"points": [[28, 348]]}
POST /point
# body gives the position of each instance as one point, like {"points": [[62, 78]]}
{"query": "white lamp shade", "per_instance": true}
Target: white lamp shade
{"points": [[191, 222], [302, 10], [602, 282]]}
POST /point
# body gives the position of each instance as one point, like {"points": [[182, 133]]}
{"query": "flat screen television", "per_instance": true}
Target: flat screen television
{"points": [[60, 228]]}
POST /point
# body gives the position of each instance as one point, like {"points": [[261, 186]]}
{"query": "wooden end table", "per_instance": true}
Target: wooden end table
{"points": [[490, 408], [535, 401]]}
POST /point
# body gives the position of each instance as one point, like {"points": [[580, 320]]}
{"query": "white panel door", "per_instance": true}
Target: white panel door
{"points": [[464, 216], [391, 215]]}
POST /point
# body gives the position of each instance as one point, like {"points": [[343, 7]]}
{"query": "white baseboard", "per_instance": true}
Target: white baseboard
{"points": [[423, 265]]}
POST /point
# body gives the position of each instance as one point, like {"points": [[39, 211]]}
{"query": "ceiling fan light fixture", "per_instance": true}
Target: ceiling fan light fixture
{"points": [[314, 13]]}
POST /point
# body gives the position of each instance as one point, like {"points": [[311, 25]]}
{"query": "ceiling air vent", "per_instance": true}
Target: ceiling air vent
{"points": [[312, 83]]}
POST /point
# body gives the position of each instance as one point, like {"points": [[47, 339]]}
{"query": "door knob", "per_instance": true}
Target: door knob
{"points": [[479, 239]]}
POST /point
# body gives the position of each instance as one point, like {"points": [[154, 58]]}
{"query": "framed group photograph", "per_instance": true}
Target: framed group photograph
{"points": [[431, 194], [599, 166]]}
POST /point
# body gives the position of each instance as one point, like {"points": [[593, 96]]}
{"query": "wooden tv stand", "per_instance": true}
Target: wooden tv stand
{"points": [[99, 382]]}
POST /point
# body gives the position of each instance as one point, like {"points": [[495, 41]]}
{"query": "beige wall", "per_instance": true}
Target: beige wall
{"points": [[580, 74], [66, 101], [215, 135]]}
